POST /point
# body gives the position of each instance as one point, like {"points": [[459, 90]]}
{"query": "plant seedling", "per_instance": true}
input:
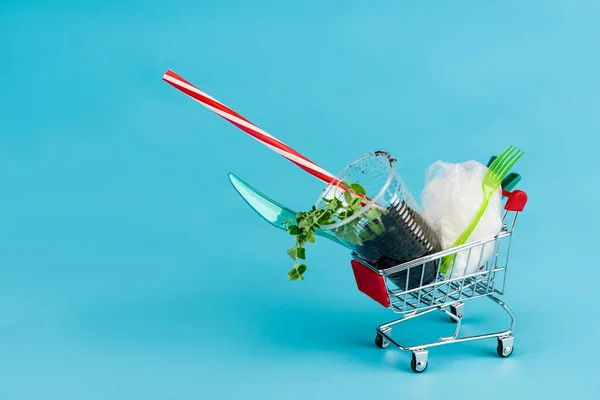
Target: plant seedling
{"points": [[302, 226]]}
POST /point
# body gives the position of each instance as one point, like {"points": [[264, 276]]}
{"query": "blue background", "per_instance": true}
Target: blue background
{"points": [[130, 269]]}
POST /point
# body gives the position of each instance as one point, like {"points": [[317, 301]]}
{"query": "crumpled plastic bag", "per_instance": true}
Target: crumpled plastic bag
{"points": [[451, 196]]}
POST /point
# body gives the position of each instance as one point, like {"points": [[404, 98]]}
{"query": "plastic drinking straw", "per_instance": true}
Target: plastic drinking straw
{"points": [[236, 119]]}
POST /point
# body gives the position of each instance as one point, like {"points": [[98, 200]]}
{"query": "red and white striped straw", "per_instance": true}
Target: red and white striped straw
{"points": [[248, 127]]}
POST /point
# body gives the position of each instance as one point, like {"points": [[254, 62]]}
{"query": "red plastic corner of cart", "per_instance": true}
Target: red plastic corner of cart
{"points": [[370, 283], [516, 201]]}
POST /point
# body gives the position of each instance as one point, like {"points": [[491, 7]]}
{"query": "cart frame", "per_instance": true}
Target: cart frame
{"points": [[446, 293]]}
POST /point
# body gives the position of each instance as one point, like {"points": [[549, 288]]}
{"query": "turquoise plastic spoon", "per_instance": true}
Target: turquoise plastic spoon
{"points": [[270, 210]]}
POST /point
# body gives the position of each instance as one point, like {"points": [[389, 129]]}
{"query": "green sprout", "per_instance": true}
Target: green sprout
{"points": [[302, 226]]}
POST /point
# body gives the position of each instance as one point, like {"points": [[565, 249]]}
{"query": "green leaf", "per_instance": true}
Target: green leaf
{"points": [[376, 228], [293, 275], [334, 204], [310, 236], [301, 268], [373, 213], [325, 217], [358, 188], [366, 235], [351, 235], [301, 240], [294, 230], [292, 252], [301, 253], [347, 197]]}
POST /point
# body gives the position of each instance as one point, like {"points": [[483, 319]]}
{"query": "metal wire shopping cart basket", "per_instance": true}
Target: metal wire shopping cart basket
{"points": [[446, 294]]}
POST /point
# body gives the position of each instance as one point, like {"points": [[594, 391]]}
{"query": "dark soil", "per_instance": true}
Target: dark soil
{"points": [[413, 274], [406, 236], [385, 154]]}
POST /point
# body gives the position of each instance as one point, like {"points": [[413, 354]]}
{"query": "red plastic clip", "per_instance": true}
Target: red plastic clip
{"points": [[370, 283], [516, 201]]}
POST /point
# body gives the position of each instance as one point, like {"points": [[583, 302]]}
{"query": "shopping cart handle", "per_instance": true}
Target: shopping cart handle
{"points": [[516, 200]]}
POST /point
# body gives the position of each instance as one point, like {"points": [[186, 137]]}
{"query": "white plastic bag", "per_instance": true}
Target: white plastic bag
{"points": [[451, 196]]}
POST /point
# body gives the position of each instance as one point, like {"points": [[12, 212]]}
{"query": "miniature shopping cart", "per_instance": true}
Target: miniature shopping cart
{"points": [[446, 294]]}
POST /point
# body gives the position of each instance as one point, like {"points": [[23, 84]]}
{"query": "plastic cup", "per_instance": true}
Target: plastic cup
{"points": [[388, 229]]}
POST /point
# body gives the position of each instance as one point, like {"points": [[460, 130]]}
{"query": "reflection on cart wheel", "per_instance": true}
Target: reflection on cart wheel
{"points": [[418, 366], [381, 342], [505, 347]]}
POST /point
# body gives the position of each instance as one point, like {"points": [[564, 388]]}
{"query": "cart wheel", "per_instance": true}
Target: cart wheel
{"points": [[505, 346], [457, 310], [381, 342], [420, 365]]}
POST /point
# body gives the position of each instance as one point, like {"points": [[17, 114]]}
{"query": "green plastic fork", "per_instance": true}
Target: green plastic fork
{"points": [[492, 180]]}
